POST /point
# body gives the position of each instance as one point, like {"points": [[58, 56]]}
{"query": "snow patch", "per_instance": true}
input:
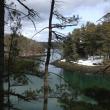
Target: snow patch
{"points": [[85, 62], [91, 61], [63, 60]]}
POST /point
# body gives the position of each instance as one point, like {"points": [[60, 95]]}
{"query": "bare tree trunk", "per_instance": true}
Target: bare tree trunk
{"points": [[45, 107], [9, 66], [1, 53]]}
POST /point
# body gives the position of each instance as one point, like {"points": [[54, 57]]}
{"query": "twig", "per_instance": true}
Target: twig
{"points": [[25, 15], [108, 66], [39, 32], [30, 11], [17, 95]]}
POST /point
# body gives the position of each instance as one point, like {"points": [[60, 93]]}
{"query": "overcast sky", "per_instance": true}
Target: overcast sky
{"points": [[88, 10]]}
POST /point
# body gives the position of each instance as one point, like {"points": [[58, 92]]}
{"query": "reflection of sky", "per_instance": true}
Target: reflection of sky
{"points": [[36, 84], [88, 10]]}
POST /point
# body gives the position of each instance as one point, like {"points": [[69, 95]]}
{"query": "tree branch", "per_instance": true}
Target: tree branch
{"points": [[17, 95], [30, 11]]}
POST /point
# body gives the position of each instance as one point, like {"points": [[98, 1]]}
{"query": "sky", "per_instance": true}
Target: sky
{"points": [[88, 10]]}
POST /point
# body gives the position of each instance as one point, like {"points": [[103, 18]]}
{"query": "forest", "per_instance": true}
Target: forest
{"points": [[41, 43], [26, 46], [89, 40]]}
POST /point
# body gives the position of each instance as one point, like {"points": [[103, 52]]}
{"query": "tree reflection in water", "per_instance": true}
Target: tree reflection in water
{"points": [[101, 96], [97, 96]]}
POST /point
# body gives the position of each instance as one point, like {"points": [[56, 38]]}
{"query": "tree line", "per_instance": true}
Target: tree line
{"points": [[26, 46], [89, 40]]}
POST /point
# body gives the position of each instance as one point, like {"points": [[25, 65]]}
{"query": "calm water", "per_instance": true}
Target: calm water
{"points": [[71, 87]]}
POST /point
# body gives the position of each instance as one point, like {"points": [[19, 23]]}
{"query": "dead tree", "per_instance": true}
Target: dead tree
{"points": [[15, 17], [1, 53], [64, 23], [48, 57]]}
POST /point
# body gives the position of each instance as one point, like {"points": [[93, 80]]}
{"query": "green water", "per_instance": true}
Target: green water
{"points": [[83, 81], [73, 88], [86, 91]]}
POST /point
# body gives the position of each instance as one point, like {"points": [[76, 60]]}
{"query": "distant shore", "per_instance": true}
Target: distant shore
{"points": [[34, 57], [80, 68]]}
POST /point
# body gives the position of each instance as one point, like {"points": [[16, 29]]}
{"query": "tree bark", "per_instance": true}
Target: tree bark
{"points": [[1, 53], [45, 107]]}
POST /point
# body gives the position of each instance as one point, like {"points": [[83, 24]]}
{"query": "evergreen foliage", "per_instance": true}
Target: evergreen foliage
{"points": [[89, 40]]}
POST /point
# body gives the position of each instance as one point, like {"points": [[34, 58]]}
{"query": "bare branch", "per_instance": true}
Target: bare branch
{"points": [[25, 15], [17, 95], [66, 20], [59, 36], [31, 12], [39, 32], [107, 67]]}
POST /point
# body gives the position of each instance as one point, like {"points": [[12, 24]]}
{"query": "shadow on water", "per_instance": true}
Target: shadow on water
{"points": [[74, 91], [86, 92]]}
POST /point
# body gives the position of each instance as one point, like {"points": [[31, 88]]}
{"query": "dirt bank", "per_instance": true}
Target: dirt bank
{"points": [[81, 68]]}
